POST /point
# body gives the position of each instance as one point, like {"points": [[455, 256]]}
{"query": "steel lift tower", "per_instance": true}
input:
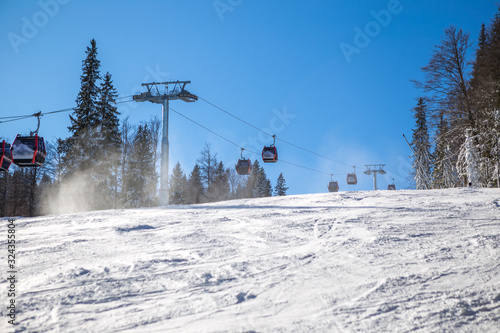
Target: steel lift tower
{"points": [[172, 90], [373, 169]]}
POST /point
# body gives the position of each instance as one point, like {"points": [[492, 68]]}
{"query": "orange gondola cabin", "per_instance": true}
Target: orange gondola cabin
{"points": [[28, 151], [5, 156]]}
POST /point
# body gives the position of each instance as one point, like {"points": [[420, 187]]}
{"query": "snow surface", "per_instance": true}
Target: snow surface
{"points": [[380, 261]]}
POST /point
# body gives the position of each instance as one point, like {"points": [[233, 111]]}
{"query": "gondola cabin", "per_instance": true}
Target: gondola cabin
{"points": [[333, 186], [5, 156], [243, 167], [352, 179], [28, 151], [391, 187], [270, 154]]}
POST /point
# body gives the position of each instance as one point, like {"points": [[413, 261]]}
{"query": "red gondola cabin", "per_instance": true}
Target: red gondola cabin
{"points": [[270, 154], [5, 156], [28, 151]]}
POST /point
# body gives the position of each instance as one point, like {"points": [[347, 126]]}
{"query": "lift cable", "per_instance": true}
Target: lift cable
{"points": [[207, 129], [277, 138], [250, 151], [21, 117], [14, 118]]}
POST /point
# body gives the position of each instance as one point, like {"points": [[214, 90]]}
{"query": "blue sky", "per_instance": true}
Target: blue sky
{"points": [[300, 69]]}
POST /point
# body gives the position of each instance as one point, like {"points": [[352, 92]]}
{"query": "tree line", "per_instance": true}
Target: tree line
{"points": [[456, 135], [105, 163], [211, 181]]}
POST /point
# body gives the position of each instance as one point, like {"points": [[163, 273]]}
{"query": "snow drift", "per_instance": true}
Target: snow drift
{"points": [[379, 261]]}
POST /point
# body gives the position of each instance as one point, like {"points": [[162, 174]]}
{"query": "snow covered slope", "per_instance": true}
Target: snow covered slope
{"points": [[381, 261]]}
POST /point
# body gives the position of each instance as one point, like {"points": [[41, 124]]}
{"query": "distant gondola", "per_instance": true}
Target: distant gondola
{"points": [[28, 151], [243, 167], [352, 179], [333, 186], [5, 156], [392, 187]]}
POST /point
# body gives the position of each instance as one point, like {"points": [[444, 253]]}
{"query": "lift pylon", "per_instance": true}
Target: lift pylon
{"points": [[374, 169], [171, 90]]}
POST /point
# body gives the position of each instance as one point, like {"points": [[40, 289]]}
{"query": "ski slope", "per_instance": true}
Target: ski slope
{"points": [[382, 261]]}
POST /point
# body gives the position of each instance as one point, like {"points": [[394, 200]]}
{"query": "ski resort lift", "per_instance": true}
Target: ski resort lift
{"points": [[392, 186], [244, 166], [333, 186], [5, 156], [351, 177], [186, 96], [270, 153], [29, 151]]}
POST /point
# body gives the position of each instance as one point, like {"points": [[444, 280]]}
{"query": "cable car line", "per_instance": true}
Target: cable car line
{"points": [[14, 118], [10, 117], [250, 151], [277, 138], [39, 114], [220, 136], [232, 115], [310, 151]]}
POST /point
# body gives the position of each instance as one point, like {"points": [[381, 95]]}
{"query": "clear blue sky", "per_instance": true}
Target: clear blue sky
{"points": [[299, 68]]}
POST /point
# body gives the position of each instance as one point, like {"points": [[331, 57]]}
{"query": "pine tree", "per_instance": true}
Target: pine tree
{"points": [[178, 186], [220, 189], [482, 80], [109, 139], [423, 158], [265, 188], [252, 180], [280, 188], [262, 185], [195, 188], [140, 179], [83, 144]]}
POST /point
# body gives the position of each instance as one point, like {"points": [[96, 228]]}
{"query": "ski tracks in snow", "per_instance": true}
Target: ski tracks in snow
{"points": [[346, 261]]}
